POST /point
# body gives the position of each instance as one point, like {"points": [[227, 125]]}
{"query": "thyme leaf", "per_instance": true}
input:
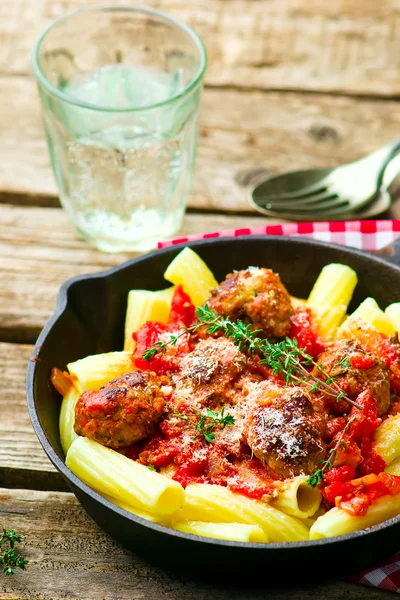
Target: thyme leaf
{"points": [[204, 423], [328, 463], [284, 358], [9, 558]]}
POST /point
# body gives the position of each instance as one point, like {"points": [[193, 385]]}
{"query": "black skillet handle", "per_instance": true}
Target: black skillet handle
{"points": [[391, 252]]}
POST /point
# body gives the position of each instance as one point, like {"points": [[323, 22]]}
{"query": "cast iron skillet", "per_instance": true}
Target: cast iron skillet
{"points": [[89, 319]]}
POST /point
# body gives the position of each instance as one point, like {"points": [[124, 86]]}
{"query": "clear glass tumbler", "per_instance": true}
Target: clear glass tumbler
{"points": [[120, 90]]}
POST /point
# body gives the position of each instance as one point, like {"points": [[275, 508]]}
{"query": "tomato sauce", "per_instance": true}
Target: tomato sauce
{"points": [[357, 478], [362, 362], [304, 331], [182, 315], [354, 484], [356, 495], [196, 461], [61, 380]]}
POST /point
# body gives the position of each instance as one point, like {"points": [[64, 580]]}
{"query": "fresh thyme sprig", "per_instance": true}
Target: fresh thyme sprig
{"points": [[162, 347], [204, 423], [9, 558], [284, 358], [327, 464]]}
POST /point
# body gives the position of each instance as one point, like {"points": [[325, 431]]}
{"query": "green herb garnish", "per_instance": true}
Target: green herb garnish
{"points": [[285, 358], [327, 464], [9, 558], [204, 423]]}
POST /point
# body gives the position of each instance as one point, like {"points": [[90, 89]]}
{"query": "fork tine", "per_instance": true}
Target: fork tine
{"points": [[321, 198], [298, 194]]}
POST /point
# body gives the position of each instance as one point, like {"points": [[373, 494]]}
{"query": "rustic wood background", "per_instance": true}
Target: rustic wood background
{"points": [[290, 84]]}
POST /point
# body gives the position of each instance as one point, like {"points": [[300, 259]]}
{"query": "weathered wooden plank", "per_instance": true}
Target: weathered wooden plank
{"points": [[243, 134], [70, 558], [350, 46], [21, 455], [39, 251]]}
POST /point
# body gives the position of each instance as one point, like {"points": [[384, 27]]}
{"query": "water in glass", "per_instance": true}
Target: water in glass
{"points": [[127, 179]]}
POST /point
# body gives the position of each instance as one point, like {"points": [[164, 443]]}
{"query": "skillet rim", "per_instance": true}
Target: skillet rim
{"points": [[61, 306]]}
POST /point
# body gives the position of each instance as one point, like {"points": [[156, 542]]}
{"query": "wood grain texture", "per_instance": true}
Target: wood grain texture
{"points": [[244, 135], [39, 251], [20, 451], [70, 558], [346, 46]]}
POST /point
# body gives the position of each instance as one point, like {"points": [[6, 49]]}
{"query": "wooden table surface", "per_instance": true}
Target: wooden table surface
{"points": [[290, 84]]}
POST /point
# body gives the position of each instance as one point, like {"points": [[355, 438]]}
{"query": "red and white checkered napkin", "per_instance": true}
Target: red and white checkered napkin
{"points": [[364, 235], [385, 575]]}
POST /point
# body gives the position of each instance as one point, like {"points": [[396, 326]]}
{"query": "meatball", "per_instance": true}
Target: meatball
{"points": [[123, 411], [284, 430], [355, 370], [212, 373], [257, 296]]}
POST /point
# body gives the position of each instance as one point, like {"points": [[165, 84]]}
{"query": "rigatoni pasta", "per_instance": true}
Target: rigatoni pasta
{"points": [[91, 372], [246, 427], [190, 271], [370, 313], [339, 522], [67, 418], [386, 441], [145, 306], [147, 516], [218, 504], [331, 296], [393, 312], [297, 498], [236, 532], [125, 480]]}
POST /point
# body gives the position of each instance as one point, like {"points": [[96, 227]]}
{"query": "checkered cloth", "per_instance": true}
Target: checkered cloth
{"points": [[364, 235]]}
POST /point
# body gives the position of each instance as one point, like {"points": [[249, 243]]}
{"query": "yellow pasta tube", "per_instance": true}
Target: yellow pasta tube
{"points": [[338, 522], [143, 306], [111, 473], [331, 296], [167, 294], [393, 312], [153, 518], [297, 498], [91, 372], [297, 302], [190, 271], [67, 418], [386, 440], [394, 467], [236, 532], [370, 313], [217, 504]]}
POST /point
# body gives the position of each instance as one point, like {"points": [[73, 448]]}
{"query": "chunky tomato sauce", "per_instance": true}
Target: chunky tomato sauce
{"points": [[305, 332], [180, 445], [182, 315]]}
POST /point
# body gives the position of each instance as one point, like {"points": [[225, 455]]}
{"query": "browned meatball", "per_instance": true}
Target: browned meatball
{"points": [[283, 429], [355, 370], [123, 411], [255, 295], [209, 374]]}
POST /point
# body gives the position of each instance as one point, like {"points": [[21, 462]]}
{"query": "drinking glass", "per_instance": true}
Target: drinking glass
{"points": [[120, 88]]}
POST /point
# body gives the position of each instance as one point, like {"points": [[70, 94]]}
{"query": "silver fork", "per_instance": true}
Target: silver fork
{"points": [[326, 192]]}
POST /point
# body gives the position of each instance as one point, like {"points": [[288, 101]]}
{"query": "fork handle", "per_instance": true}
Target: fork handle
{"points": [[391, 171], [386, 154]]}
